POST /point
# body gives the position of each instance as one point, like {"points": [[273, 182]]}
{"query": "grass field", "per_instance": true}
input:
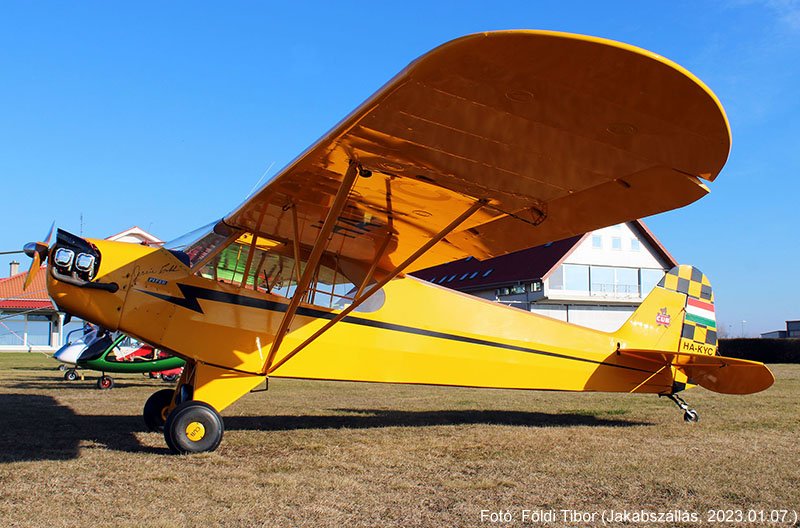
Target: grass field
{"points": [[345, 454]]}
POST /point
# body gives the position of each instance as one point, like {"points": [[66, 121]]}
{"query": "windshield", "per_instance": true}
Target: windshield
{"points": [[201, 242]]}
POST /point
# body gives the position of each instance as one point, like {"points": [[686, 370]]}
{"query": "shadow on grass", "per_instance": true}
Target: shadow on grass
{"points": [[42, 383], [371, 418], [37, 427]]}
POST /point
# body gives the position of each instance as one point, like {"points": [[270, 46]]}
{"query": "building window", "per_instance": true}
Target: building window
{"points": [[518, 289], [26, 330], [635, 246], [616, 243], [626, 281], [536, 286], [488, 272], [649, 279], [474, 274], [12, 330], [597, 242], [602, 280], [502, 292], [576, 277], [39, 330], [557, 279]]}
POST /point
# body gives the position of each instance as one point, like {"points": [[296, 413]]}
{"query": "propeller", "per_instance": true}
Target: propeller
{"points": [[38, 252]]}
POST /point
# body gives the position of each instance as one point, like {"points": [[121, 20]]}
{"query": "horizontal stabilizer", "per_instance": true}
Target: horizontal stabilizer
{"points": [[716, 373]]}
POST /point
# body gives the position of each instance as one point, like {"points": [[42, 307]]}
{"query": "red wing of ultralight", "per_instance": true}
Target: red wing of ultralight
{"points": [[560, 134]]}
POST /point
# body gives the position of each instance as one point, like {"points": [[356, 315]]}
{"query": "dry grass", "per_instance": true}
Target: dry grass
{"points": [[346, 454]]}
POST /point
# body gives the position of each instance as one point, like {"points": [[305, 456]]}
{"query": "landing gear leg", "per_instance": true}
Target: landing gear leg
{"points": [[689, 415], [156, 409]]}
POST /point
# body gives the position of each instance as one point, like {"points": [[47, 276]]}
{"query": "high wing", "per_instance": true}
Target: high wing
{"points": [[557, 134]]}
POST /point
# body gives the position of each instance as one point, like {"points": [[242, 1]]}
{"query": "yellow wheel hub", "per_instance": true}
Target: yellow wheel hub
{"points": [[195, 431]]}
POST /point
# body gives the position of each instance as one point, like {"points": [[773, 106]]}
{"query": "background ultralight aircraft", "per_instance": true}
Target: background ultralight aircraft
{"points": [[106, 353], [488, 144]]}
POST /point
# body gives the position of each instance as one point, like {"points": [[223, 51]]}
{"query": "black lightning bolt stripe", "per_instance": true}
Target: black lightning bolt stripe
{"points": [[192, 294]]}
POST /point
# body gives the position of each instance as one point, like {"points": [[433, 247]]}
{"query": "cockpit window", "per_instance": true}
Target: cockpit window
{"points": [[269, 266]]}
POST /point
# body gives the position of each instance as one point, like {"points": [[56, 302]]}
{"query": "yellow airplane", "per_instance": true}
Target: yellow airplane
{"points": [[488, 144]]}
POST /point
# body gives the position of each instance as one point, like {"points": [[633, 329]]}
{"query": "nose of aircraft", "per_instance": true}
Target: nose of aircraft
{"points": [[70, 353]]}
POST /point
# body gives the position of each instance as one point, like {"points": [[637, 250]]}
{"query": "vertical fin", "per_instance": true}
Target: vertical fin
{"points": [[677, 316], [699, 326]]}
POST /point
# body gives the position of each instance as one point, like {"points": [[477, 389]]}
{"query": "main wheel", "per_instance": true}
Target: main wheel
{"points": [[70, 375], [155, 409], [105, 382], [193, 427], [691, 416], [62, 367], [170, 378]]}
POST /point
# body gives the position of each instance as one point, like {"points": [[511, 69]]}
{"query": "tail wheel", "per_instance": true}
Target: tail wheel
{"points": [[691, 416], [105, 382], [193, 427], [70, 375]]}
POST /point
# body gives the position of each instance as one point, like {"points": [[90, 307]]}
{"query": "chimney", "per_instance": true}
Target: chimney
{"points": [[14, 265]]}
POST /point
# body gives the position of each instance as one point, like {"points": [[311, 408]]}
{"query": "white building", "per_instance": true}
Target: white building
{"points": [[595, 280]]}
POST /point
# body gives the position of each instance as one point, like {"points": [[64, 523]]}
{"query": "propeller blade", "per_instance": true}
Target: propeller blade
{"points": [[38, 252], [12, 252], [50, 234], [33, 270]]}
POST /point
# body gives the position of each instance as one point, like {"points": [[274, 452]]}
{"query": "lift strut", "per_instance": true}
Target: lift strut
{"points": [[381, 283]]}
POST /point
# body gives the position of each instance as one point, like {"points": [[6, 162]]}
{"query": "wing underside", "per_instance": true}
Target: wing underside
{"points": [[558, 134]]}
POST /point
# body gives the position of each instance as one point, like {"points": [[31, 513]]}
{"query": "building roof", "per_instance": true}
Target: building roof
{"points": [[137, 233], [522, 266], [34, 298], [528, 264]]}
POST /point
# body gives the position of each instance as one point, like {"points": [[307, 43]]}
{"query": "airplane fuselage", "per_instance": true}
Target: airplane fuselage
{"points": [[413, 332]]}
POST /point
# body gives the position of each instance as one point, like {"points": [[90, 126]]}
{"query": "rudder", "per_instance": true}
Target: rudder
{"points": [[699, 325]]}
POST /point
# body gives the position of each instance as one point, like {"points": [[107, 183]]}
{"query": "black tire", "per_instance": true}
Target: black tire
{"points": [[170, 378], [193, 427], [155, 409], [70, 375], [691, 416], [62, 367], [105, 382]]}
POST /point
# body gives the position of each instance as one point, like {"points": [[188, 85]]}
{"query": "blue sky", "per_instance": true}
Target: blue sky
{"points": [[165, 115]]}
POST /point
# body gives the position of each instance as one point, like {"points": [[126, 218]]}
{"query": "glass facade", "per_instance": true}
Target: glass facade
{"points": [[604, 281]]}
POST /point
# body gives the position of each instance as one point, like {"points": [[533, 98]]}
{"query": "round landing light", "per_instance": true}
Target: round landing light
{"points": [[63, 257], [84, 262]]}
